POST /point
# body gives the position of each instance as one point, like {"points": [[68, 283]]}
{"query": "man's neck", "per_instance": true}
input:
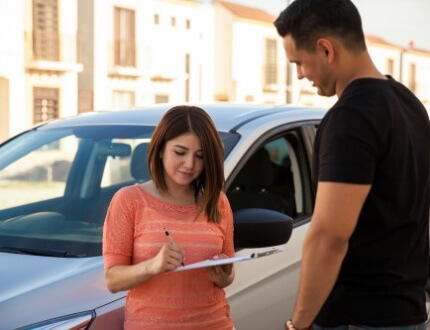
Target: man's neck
{"points": [[357, 67]]}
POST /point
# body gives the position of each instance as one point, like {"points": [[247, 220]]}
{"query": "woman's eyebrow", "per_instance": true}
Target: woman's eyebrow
{"points": [[183, 147], [180, 146]]}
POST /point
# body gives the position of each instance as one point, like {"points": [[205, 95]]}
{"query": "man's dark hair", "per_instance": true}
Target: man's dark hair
{"points": [[308, 20]]}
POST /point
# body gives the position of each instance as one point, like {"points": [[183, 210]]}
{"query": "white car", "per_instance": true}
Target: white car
{"points": [[57, 179]]}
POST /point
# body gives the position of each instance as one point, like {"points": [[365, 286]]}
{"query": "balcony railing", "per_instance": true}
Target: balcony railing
{"points": [[55, 53]]}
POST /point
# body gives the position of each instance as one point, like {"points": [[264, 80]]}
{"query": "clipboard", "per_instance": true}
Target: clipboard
{"points": [[217, 262]]}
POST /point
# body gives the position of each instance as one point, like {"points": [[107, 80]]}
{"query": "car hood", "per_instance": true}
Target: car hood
{"points": [[35, 288]]}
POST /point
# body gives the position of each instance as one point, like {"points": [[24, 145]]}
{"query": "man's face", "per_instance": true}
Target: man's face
{"points": [[311, 65]]}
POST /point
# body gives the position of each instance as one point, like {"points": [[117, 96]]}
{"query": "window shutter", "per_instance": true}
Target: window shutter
{"points": [[271, 67], [124, 37], [45, 30], [45, 104]]}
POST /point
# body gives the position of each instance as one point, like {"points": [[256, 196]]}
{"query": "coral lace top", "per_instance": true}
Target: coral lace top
{"points": [[133, 232]]}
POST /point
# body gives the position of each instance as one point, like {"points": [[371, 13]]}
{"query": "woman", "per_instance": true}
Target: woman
{"points": [[185, 197]]}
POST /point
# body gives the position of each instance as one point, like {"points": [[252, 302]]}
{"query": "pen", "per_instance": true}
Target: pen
{"points": [[170, 240]]}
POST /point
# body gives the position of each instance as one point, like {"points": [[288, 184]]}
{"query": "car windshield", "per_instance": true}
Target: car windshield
{"points": [[56, 185]]}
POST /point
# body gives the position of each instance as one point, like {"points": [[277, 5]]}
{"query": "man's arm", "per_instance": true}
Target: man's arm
{"points": [[337, 209]]}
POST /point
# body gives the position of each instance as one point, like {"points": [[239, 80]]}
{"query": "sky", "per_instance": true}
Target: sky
{"points": [[395, 21]]}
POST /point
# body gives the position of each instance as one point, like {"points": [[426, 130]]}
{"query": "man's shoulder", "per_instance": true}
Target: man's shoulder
{"points": [[371, 92]]}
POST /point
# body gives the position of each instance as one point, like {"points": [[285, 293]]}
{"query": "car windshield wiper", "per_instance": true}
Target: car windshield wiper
{"points": [[37, 252]]}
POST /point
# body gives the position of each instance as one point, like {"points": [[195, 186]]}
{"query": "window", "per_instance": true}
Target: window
{"points": [[124, 37], [221, 98], [271, 64], [156, 19], [187, 24], [286, 174], [59, 197], [412, 83], [161, 98], [173, 21], [45, 104], [45, 30], [283, 181], [123, 99]]}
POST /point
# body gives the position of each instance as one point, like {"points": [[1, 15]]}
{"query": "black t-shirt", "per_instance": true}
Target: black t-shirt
{"points": [[378, 133]]}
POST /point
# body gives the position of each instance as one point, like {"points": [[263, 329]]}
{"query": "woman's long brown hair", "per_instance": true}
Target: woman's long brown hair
{"points": [[184, 119]]}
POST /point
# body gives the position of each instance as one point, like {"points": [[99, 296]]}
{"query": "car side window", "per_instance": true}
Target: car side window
{"points": [[275, 177], [39, 175]]}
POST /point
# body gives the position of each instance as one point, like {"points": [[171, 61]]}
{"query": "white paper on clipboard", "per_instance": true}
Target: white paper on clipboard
{"points": [[217, 262]]}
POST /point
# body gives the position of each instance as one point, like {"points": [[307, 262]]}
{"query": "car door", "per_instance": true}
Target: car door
{"points": [[273, 173]]}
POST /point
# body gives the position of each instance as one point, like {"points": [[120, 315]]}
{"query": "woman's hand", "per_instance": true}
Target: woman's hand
{"points": [[168, 258], [222, 275], [126, 277]]}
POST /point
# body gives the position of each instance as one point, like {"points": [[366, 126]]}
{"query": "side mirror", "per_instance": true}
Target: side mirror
{"points": [[254, 228]]}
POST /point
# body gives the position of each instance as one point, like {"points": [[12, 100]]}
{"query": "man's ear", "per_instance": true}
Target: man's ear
{"points": [[326, 48]]}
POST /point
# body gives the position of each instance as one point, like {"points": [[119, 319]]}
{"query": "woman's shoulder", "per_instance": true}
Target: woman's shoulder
{"points": [[222, 198], [223, 203], [127, 194], [128, 190]]}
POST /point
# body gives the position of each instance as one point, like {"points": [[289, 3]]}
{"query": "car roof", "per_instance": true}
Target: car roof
{"points": [[225, 116]]}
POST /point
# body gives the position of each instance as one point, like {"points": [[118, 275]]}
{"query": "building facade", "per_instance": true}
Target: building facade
{"points": [[12, 74], [250, 62], [62, 57], [415, 74], [39, 62], [409, 66], [50, 59], [144, 52]]}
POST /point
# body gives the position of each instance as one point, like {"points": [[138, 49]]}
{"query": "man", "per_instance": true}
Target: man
{"points": [[365, 256]]}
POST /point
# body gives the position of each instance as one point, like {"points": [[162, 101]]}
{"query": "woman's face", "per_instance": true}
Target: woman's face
{"points": [[182, 159]]}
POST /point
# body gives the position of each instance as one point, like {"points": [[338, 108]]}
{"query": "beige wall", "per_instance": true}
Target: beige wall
{"points": [[421, 61], [4, 109], [240, 46], [224, 84], [12, 86]]}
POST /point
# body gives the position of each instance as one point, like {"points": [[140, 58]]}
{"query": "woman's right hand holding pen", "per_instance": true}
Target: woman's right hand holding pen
{"points": [[125, 277], [168, 258]]}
